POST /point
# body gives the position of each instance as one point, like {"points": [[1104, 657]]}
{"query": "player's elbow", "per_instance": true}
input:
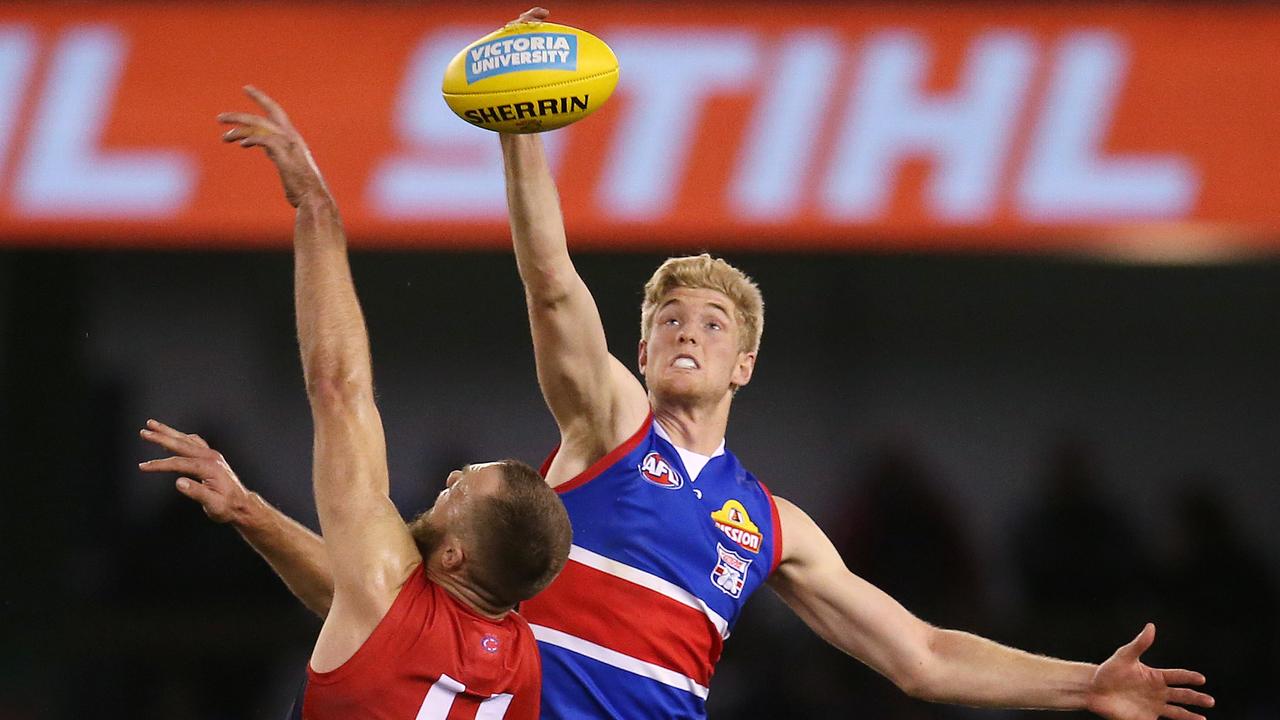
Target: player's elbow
{"points": [[917, 673], [337, 392], [548, 286]]}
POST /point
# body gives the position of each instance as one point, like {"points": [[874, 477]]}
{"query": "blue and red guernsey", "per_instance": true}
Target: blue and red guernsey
{"points": [[660, 568]]}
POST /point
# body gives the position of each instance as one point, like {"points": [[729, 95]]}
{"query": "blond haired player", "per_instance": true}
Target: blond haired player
{"points": [[421, 623], [700, 334]]}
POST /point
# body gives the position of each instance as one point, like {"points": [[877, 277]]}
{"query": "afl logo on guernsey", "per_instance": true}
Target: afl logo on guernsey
{"points": [[733, 521], [660, 473], [489, 643]]}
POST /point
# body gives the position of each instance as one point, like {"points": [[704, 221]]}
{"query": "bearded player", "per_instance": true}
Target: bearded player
{"points": [[421, 623]]}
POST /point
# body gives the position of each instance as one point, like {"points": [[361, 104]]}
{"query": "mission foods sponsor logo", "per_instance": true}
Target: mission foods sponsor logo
{"points": [[733, 521], [529, 51], [659, 472], [730, 572], [528, 110]]}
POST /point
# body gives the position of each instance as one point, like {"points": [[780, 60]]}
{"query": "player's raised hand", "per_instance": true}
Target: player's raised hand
{"points": [[205, 475], [1125, 689], [532, 15], [284, 145]]}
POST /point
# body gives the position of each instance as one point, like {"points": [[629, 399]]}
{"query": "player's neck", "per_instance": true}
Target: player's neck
{"points": [[467, 594], [693, 426]]}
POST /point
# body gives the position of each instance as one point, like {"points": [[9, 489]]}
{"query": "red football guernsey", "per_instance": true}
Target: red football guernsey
{"points": [[432, 658]]}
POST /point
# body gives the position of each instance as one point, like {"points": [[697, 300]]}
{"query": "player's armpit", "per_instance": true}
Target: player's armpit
{"points": [[372, 554], [845, 610]]}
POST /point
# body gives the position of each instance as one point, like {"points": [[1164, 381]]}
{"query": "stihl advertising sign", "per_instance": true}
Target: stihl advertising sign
{"points": [[793, 127]]}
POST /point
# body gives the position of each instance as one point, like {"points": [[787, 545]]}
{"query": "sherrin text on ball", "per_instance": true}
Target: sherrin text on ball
{"points": [[530, 77]]}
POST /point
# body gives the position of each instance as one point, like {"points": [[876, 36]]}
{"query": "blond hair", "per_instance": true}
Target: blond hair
{"points": [[704, 272]]}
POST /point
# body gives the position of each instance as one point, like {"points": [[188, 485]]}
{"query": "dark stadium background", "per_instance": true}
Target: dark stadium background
{"points": [[1045, 449]]}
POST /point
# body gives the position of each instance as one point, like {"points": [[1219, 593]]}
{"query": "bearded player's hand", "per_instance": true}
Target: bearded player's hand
{"points": [[284, 145], [1125, 689], [205, 475]]}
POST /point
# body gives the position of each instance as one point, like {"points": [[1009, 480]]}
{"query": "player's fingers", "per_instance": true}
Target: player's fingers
{"points": [[197, 491], [157, 426], [198, 440], [250, 120], [179, 445], [1187, 696], [272, 108], [532, 15], [239, 132], [255, 141], [241, 118], [186, 465], [1182, 677], [276, 145], [1173, 712], [1140, 643]]}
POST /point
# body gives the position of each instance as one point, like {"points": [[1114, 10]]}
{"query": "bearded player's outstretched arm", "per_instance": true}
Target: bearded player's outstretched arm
{"points": [[949, 666], [371, 550]]}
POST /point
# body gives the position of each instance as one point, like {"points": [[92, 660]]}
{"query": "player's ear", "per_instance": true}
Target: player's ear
{"points": [[642, 355], [452, 555], [744, 369]]}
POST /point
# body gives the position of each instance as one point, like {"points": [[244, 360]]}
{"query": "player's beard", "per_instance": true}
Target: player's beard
{"points": [[427, 535]]}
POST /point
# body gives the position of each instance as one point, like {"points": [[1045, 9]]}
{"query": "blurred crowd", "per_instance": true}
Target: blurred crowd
{"points": [[1085, 582]]}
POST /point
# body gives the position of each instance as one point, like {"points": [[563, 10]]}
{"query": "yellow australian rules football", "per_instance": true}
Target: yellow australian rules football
{"points": [[530, 77]]}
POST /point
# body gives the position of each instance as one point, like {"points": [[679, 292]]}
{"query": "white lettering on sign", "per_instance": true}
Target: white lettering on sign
{"points": [[967, 134], [1065, 178], [64, 175], [813, 137], [676, 73], [769, 183], [17, 56], [447, 169]]}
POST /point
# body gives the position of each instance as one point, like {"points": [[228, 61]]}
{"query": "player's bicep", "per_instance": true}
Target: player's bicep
{"points": [[583, 384], [844, 609]]}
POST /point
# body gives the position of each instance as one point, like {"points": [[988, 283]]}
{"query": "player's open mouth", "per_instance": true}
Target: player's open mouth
{"points": [[684, 362]]}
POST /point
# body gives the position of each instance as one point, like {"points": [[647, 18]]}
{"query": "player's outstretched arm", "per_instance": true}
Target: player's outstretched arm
{"points": [[291, 549], [371, 550], [593, 396], [955, 667], [597, 402]]}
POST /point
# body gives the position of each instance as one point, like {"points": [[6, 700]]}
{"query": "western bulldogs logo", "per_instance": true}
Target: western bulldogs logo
{"points": [[489, 643], [730, 572], [660, 473]]}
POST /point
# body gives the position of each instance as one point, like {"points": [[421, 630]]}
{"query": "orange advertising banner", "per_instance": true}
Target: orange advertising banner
{"points": [[861, 126]]}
